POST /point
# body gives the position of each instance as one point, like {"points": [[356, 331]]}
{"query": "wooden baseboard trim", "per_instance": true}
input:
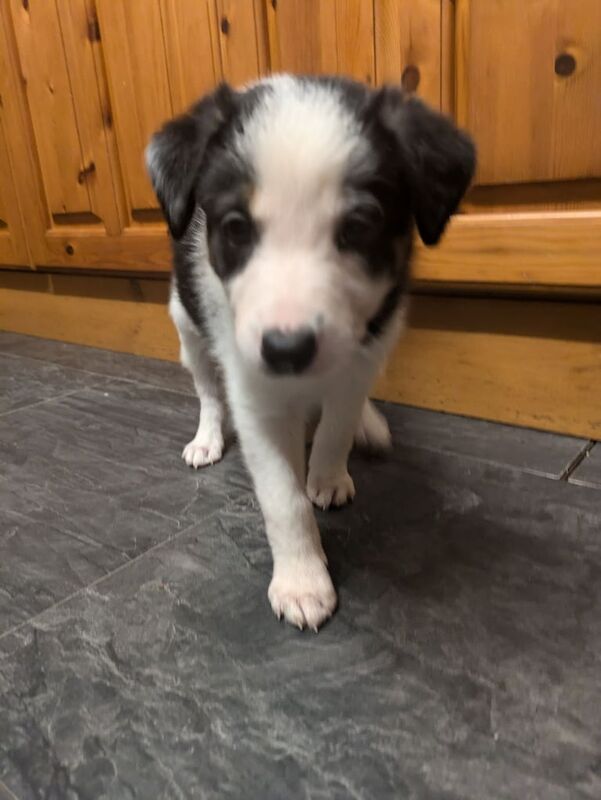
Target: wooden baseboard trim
{"points": [[524, 362]]}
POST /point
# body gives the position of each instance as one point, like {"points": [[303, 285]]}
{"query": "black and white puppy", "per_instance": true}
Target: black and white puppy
{"points": [[291, 205]]}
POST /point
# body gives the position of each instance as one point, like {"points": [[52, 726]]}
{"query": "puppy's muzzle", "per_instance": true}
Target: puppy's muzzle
{"points": [[288, 352]]}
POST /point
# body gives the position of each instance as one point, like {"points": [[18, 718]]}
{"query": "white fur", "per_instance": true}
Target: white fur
{"points": [[299, 145]]}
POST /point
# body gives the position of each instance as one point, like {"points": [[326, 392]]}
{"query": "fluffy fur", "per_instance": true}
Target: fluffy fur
{"points": [[291, 206]]}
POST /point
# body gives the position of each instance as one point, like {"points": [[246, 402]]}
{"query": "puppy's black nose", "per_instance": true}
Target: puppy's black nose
{"points": [[288, 352]]}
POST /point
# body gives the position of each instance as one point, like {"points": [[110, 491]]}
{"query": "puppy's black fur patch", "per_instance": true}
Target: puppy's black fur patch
{"points": [[419, 169]]}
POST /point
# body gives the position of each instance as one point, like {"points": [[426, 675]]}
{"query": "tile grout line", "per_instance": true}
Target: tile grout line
{"points": [[42, 402], [83, 589], [10, 795], [105, 375], [441, 451], [572, 465]]}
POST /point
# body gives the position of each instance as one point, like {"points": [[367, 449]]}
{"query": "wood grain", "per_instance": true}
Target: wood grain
{"points": [[409, 35], [552, 249], [20, 142], [42, 61], [530, 124], [123, 314], [134, 49], [92, 114], [192, 48], [447, 57], [13, 245], [241, 41], [525, 363], [143, 248], [529, 363], [540, 197], [322, 36]]}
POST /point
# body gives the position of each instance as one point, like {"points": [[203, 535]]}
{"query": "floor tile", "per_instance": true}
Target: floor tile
{"points": [[25, 381], [462, 663], [588, 472], [168, 374], [5, 794], [464, 660], [533, 451], [105, 465], [39, 566]]}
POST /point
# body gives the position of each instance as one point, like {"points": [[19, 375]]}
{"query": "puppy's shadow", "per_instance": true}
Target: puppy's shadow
{"points": [[425, 548]]}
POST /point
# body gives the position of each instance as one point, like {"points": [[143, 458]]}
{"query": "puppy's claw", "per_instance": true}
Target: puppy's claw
{"points": [[204, 450], [301, 590], [325, 492]]}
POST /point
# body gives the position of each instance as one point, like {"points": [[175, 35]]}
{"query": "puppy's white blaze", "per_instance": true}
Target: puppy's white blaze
{"points": [[301, 142]]}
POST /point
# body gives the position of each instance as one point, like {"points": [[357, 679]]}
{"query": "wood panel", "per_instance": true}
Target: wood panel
{"points": [[545, 196], [192, 48], [242, 40], [530, 123], [529, 363], [61, 118], [123, 314], [408, 38], [93, 113], [20, 143], [322, 36], [534, 249], [133, 44], [13, 247], [44, 68], [139, 248], [536, 364]]}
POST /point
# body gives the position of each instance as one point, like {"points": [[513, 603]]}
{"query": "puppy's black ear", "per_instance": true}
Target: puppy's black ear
{"points": [[438, 158], [175, 154]]}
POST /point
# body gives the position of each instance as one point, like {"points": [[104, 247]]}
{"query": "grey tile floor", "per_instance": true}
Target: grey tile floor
{"points": [[139, 657]]}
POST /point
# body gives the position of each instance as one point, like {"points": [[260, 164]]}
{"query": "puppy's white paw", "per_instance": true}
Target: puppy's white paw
{"points": [[302, 592], [373, 432], [204, 449], [327, 491]]}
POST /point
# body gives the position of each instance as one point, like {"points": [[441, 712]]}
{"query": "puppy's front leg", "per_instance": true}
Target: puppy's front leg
{"points": [[301, 589], [346, 414], [328, 481]]}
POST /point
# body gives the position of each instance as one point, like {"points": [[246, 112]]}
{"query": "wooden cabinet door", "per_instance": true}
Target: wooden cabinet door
{"points": [[13, 247], [91, 81], [65, 107], [322, 36], [529, 87], [375, 41], [409, 51]]}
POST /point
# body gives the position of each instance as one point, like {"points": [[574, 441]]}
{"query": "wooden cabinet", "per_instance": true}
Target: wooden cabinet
{"points": [[527, 84], [529, 88], [84, 83], [13, 248]]}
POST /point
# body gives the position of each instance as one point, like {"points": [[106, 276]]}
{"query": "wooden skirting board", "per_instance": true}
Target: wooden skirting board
{"points": [[534, 363]]}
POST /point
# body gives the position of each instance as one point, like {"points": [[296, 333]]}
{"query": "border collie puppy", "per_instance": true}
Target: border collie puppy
{"points": [[291, 206]]}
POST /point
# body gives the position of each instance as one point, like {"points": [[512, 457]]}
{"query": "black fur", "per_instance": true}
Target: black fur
{"points": [[439, 160], [183, 145], [422, 167], [177, 151]]}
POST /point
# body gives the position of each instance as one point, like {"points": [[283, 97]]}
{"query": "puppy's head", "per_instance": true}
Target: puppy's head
{"points": [[310, 189]]}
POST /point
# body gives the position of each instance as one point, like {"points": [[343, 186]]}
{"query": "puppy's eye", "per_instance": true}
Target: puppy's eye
{"points": [[359, 228], [237, 228]]}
